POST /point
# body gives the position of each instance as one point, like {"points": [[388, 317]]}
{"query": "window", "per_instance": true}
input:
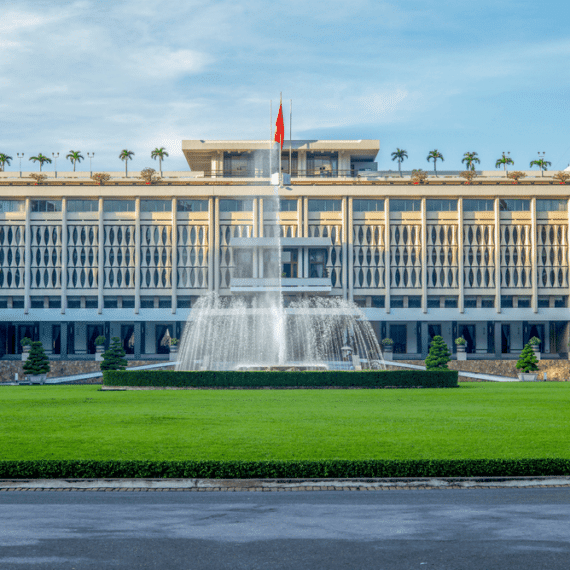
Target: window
{"points": [[165, 303], [37, 302], [543, 302], [405, 205], [368, 205], [414, 302], [379, 302], [433, 302], [288, 205], [557, 205], [322, 164], [74, 302], [3, 302], [560, 302], [147, 302], [46, 205], [156, 205], [236, 205], [488, 302], [325, 205], [506, 302], [119, 206], [82, 205], [514, 205], [470, 302], [128, 302], [12, 206], [478, 205], [441, 205], [17, 302], [184, 302], [110, 303], [91, 303], [523, 302], [396, 302], [450, 303], [317, 263], [54, 302], [192, 205]]}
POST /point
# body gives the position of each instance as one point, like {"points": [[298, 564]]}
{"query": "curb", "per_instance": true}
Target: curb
{"points": [[273, 485]]}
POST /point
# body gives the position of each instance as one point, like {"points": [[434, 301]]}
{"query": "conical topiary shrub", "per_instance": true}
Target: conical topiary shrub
{"points": [[439, 354], [527, 361], [114, 358], [37, 362]]}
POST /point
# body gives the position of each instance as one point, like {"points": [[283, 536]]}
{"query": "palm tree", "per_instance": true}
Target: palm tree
{"points": [[41, 159], [126, 155], [434, 155], [544, 164], [470, 158], [399, 155], [161, 154], [504, 160], [4, 159], [75, 156]]}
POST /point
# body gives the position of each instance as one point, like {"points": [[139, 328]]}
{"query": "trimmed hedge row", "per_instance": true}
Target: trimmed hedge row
{"points": [[55, 469], [278, 379]]}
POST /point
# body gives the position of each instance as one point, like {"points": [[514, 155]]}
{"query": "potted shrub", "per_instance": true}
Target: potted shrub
{"points": [[37, 365], [461, 345], [388, 348], [99, 347], [173, 349], [114, 357], [26, 344], [535, 344], [439, 354], [528, 365]]}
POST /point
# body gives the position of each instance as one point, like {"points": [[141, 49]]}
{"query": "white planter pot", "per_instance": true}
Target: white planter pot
{"points": [[37, 378], [173, 353], [25, 353], [388, 352], [536, 351], [528, 376], [99, 350], [461, 352]]}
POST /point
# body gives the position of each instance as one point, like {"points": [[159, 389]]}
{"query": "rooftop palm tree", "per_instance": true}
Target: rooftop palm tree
{"points": [[504, 160], [4, 159], [434, 155], [75, 156], [470, 158], [126, 155], [544, 164], [41, 159], [161, 154], [399, 155]]}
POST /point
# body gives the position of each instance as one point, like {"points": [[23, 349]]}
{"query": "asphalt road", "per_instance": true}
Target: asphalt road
{"points": [[504, 529]]}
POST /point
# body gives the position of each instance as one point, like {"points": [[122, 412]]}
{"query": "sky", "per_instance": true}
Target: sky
{"points": [[101, 76]]}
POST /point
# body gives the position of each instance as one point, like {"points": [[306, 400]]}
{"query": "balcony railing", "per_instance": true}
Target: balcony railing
{"points": [[288, 285]]}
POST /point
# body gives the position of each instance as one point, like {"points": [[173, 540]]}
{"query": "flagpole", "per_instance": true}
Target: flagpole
{"points": [[280, 144], [290, 135], [270, 135]]}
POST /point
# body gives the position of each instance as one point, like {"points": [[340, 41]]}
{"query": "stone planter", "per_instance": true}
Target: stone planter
{"points": [[99, 350], [528, 376], [37, 378], [25, 353], [388, 352], [173, 353], [461, 352], [536, 350]]}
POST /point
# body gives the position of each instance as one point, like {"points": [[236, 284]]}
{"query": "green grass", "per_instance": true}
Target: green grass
{"points": [[477, 420]]}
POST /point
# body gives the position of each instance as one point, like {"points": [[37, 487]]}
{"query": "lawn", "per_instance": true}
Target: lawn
{"points": [[477, 420]]}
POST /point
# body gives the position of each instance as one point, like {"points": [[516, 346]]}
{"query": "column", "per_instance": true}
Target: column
{"points": [[27, 258], [497, 262], [533, 258], [348, 261], [216, 237], [101, 255], [211, 244], [174, 263], [345, 222], [498, 341], [302, 162], [63, 254], [138, 348], [460, 276], [137, 254], [387, 254], [299, 217], [63, 342], [424, 349], [424, 256]]}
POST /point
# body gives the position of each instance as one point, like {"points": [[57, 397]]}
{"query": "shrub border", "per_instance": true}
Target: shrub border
{"points": [[376, 468], [278, 379]]}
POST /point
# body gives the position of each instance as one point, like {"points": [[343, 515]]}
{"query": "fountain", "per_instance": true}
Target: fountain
{"points": [[257, 332]]}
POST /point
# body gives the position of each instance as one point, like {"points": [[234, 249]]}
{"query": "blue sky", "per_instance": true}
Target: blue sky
{"points": [[100, 76]]}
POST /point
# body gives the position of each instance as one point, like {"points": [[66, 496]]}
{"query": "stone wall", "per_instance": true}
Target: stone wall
{"points": [[8, 368], [557, 370]]}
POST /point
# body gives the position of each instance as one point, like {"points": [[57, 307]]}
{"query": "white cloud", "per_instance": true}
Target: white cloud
{"points": [[160, 63]]}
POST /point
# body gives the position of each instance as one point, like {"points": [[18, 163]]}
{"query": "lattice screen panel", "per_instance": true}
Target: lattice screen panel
{"points": [[442, 264], [405, 256], [119, 249], [82, 256], [334, 257], [156, 256], [12, 256], [227, 262], [479, 256], [552, 250], [516, 256], [369, 256], [46, 256], [192, 257]]}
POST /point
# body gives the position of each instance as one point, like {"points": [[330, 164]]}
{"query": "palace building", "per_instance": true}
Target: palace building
{"points": [[487, 260]]}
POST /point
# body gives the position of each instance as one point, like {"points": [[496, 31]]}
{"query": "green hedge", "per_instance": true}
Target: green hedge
{"points": [[278, 379], [54, 469]]}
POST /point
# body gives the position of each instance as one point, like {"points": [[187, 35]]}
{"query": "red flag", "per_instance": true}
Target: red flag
{"points": [[280, 127]]}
